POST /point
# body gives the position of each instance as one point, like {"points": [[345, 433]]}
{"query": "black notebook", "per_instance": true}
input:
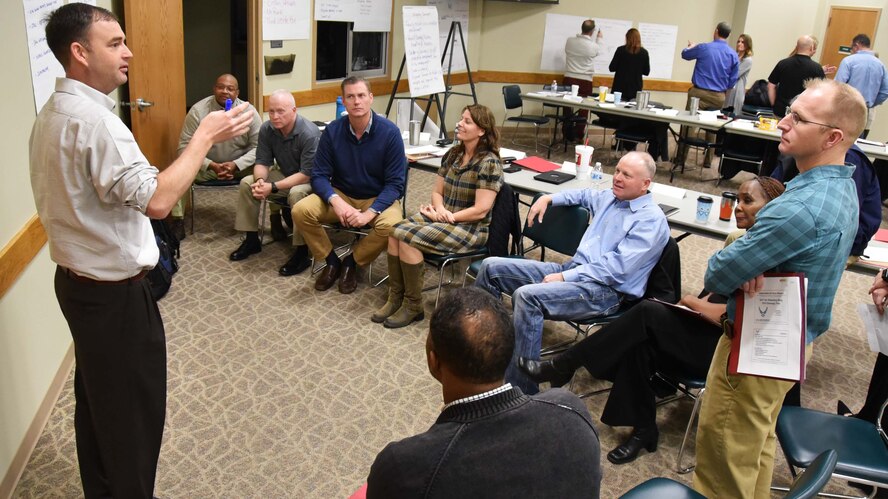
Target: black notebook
{"points": [[668, 210], [554, 177]]}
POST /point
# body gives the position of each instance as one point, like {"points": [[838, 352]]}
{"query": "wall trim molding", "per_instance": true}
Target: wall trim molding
{"points": [[19, 251], [35, 429], [327, 94]]}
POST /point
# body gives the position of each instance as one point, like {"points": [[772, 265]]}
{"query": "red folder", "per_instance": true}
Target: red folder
{"points": [[739, 297], [537, 164], [881, 235]]}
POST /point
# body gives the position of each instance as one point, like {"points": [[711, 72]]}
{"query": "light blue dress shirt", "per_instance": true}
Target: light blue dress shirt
{"points": [[867, 74], [621, 245]]}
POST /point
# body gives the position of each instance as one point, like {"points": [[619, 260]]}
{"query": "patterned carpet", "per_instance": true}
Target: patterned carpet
{"points": [[278, 391]]}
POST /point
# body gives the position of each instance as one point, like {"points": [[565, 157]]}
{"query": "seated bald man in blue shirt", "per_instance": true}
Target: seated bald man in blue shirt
{"points": [[612, 264]]}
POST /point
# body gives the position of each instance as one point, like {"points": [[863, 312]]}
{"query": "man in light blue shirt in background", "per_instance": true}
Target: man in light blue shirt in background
{"points": [[612, 264], [865, 72]]}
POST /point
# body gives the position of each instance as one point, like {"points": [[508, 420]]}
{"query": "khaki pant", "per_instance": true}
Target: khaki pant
{"points": [[311, 212], [736, 437], [205, 176], [709, 101], [247, 216]]}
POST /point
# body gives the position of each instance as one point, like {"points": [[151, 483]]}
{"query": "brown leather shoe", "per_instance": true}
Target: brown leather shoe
{"points": [[327, 278], [348, 280]]}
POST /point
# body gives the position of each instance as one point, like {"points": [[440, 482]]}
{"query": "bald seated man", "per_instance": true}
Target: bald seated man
{"points": [[284, 160], [232, 159], [789, 75], [613, 262], [490, 440]]}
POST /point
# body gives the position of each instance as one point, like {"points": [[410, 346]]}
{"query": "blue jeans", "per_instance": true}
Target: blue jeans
{"points": [[533, 302]]}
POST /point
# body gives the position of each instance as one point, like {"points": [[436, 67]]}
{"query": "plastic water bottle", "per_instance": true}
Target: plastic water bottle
{"points": [[554, 85], [597, 173], [340, 108]]}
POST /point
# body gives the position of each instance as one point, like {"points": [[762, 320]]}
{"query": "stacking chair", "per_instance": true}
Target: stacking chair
{"points": [[743, 150], [512, 101], [688, 386], [860, 445], [209, 185], [603, 121], [808, 485], [698, 144]]}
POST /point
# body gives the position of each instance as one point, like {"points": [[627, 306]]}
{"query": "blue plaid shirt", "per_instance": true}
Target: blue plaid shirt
{"points": [[809, 229]]}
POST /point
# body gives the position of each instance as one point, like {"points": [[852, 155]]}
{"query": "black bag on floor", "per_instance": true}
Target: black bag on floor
{"points": [[161, 276]]}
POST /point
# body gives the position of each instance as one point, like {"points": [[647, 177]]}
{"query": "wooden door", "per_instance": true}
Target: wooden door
{"points": [[843, 25], [154, 33]]}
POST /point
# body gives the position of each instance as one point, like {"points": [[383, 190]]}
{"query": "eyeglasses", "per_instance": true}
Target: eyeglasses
{"points": [[796, 119]]}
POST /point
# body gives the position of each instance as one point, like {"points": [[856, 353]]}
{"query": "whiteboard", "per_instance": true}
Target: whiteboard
{"points": [[421, 49], [285, 19], [659, 40], [560, 27], [449, 11]]}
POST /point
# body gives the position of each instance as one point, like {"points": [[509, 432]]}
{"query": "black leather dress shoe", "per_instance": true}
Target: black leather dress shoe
{"points": [[328, 277], [247, 248], [543, 371], [295, 265], [641, 438], [348, 280]]}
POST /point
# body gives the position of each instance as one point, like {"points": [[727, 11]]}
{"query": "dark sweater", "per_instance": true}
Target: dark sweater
{"points": [[374, 167], [628, 71], [507, 445]]}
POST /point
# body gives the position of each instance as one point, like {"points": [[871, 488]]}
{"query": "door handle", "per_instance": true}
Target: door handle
{"points": [[140, 104]]}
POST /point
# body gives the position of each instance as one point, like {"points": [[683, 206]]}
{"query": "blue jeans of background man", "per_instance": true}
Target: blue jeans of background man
{"points": [[532, 302]]}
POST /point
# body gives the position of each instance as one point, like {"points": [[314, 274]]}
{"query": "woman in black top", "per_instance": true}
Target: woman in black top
{"points": [[630, 63]]}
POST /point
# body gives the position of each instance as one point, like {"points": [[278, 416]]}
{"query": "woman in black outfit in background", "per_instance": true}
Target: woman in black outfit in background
{"points": [[630, 63]]}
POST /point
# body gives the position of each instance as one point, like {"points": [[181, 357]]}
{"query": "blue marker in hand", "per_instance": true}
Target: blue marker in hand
{"points": [[228, 104]]}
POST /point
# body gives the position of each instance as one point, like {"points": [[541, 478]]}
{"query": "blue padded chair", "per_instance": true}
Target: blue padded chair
{"points": [[862, 454], [806, 486], [512, 101]]}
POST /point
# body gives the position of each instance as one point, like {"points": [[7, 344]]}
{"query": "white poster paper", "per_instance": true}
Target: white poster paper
{"points": [[560, 27], [448, 12], [422, 51], [44, 66], [285, 19], [659, 40], [335, 10], [876, 326], [373, 15]]}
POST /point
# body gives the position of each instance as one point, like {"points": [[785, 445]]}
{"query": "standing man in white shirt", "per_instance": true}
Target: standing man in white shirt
{"points": [[94, 192], [579, 52]]}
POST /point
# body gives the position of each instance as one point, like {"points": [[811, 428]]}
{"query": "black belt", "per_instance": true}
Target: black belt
{"points": [[77, 277]]}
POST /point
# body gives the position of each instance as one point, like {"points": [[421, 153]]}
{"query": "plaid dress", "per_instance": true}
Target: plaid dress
{"points": [[460, 184]]}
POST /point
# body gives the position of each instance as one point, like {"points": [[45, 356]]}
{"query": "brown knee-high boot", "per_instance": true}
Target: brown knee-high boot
{"points": [[396, 291], [411, 308]]}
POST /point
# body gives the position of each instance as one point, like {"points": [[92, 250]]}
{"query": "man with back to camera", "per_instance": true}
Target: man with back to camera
{"points": [[284, 158], [715, 72], [358, 178], [788, 77], [865, 72], [232, 159], [93, 188], [491, 440], [613, 261], [808, 229], [579, 54]]}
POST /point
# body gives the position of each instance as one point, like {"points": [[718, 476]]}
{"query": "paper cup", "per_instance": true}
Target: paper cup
{"points": [[602, 93], [584, 156], [574, 90], [618, 97]]}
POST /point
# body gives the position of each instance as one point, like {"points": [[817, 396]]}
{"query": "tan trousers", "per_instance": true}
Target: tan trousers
{"points": [[736, 437], [247, 217], [709, 101], [311, 212]]}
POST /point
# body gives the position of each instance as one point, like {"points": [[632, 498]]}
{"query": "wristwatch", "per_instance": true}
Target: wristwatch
{"points": [[885, 275], [274, 188]]}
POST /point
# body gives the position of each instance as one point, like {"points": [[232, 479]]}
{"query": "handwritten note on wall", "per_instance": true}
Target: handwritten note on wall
{"points": [[422, 51], [285, 19], [560, 27], [334, 10], [659, 40], [448, 12], [373, 15], [44, 66]]}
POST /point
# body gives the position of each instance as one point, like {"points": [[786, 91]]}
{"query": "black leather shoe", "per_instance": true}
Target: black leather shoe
{"points": [[247, 248], [328, 277], [543, 371], [643, 438], [348, 280], [295, 265]]}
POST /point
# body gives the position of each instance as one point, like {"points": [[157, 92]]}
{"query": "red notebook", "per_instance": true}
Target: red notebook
{"points": [[881, 235], [537, 164]]}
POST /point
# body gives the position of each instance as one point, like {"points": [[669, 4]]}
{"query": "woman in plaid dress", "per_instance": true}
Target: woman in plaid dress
{"points": [[456, 221]]}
